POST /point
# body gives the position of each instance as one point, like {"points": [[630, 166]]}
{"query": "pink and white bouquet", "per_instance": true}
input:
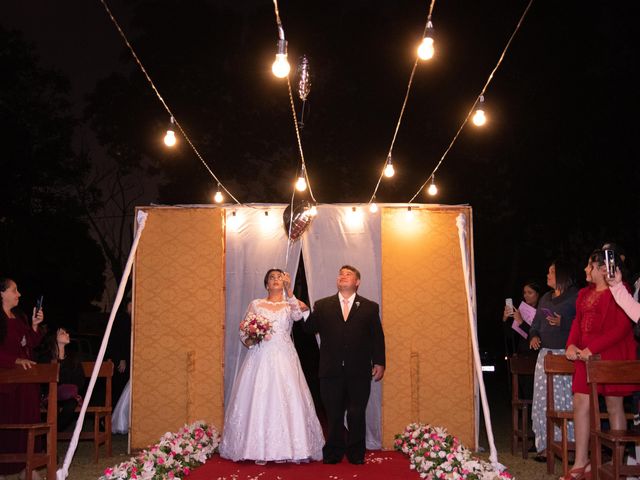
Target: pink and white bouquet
{"points": [[173, 457], [436, 454], [254, 329]]}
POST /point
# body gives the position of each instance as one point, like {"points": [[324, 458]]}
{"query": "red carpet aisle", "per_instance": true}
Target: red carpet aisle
{"points": [[379, 465]]}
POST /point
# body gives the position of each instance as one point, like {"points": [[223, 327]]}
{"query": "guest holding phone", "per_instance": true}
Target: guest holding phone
{"points": [[623, 296], [601, 327], [19, 403], [549, 332], [531, 292]]}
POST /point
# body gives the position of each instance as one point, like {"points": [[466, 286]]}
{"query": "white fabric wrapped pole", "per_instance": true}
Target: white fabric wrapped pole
{"points": [[64, 471], [461, 223]]}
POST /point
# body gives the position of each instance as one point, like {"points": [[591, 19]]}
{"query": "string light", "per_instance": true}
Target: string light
{"points": [[218, 196], [389, 171], [479, 118], [233, 222], [408, 216], [432, 190], [481, 98], [170, 136], [301, 183], [313, 211], [426, 49], [281, 67], [373, 207]]}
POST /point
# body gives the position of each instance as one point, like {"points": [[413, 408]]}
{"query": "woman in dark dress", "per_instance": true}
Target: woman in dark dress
{"points": [[19, 403]]}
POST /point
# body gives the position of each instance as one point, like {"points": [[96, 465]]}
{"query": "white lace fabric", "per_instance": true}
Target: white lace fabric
{"points": [[271, 415]]}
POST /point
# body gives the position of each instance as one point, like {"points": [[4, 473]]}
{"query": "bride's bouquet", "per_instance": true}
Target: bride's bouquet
{"points": [[254, 329]]}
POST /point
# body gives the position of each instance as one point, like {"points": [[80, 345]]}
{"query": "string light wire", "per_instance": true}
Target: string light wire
{"points": [[473, 107], [404, 104], [164, 104]]}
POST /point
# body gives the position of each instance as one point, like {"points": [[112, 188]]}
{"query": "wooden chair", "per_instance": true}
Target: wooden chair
{"points": [[600, 372], [557, 365], [101, 412], [520, 407], [42, 373]]}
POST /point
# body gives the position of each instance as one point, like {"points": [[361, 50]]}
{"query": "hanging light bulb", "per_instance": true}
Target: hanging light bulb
{"points": [[373, 207], [170, 137], [301, 183], [408, 216], [389, 171], [281, 67], [479, 118], [313, 211], [218, 196], [432, 190], [426, 49]]}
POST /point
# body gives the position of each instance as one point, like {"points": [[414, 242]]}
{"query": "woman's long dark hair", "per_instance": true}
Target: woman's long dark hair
{"points": [[564, 275], [4, 284]]}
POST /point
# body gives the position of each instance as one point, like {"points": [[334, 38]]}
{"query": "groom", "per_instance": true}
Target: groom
{"points": [[351, 353]]}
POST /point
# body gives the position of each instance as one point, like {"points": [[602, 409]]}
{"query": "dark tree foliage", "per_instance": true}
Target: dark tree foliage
{"points": [[44, 243]]}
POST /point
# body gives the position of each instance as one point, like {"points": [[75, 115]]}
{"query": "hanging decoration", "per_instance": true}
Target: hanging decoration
{"points": [[297, 222], [304, 85]]}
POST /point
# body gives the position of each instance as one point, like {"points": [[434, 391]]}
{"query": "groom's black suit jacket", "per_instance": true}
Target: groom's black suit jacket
{"points": [[347, 347]]}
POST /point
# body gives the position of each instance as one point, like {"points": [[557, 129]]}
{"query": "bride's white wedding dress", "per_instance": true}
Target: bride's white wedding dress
{"points": [[270, 415]]}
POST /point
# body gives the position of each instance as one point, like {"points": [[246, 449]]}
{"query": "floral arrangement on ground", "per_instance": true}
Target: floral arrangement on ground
{"points": [[435, 454], [173, 457]]}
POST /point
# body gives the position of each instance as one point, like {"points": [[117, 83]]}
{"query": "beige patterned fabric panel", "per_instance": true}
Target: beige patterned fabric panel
{"points": [[178, 322], [429, 375]]}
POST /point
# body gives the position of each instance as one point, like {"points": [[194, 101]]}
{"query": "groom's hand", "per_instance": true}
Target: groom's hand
{"points": [[377, 372]]}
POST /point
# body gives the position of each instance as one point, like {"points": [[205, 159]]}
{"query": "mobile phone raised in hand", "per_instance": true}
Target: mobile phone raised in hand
{"points": [[39, 303], [509, 304], [610, 263]]}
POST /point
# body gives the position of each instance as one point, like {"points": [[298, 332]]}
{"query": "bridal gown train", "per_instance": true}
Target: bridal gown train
{"points": [[271, 415]]}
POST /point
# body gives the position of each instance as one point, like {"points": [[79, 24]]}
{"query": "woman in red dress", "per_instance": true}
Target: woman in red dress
{"points": [[600, 327], [19, 403]]}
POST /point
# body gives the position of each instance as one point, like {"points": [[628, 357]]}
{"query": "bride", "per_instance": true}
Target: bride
{"points": [[270, 416]]}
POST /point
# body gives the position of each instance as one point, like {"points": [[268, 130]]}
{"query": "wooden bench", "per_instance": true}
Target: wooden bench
{"points": [[602, 372], [520, 407], [101, 412], [43, 373]]}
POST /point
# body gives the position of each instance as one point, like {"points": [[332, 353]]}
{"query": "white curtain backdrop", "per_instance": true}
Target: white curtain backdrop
{"points": [[340, 235], [255, 242]]}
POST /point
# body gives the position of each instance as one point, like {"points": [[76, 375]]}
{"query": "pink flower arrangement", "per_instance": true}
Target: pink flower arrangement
{"points": [[435, 454], [254, 329], [173, 457]]}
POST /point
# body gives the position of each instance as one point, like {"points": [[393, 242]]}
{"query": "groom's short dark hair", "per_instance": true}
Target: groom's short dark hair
{"points": [[351, 268]]}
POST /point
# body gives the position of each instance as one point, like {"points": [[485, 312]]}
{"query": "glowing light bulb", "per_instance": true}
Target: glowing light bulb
{"points": [[479, 118], [218, 196], [408, 216], [233, 222], [432, 190], [281, 67], [389, 171], [313, 211], [301, 184], [426, 50], [170, 137], [373, 208]]}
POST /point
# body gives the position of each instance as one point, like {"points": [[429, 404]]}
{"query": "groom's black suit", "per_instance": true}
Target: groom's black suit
{"points": [[348, 350]]}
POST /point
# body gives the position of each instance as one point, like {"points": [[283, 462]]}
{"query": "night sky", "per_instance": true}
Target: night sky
{"points": [[553, 173]]}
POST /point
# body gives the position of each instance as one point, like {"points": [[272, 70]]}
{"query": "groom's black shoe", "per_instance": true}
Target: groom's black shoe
{"points": [[331, 460], [356, 460]]}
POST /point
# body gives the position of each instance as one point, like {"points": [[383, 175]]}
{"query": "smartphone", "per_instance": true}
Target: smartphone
{"points": [[509, 303], [547, 312], [39, 303], [610, 262]]}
